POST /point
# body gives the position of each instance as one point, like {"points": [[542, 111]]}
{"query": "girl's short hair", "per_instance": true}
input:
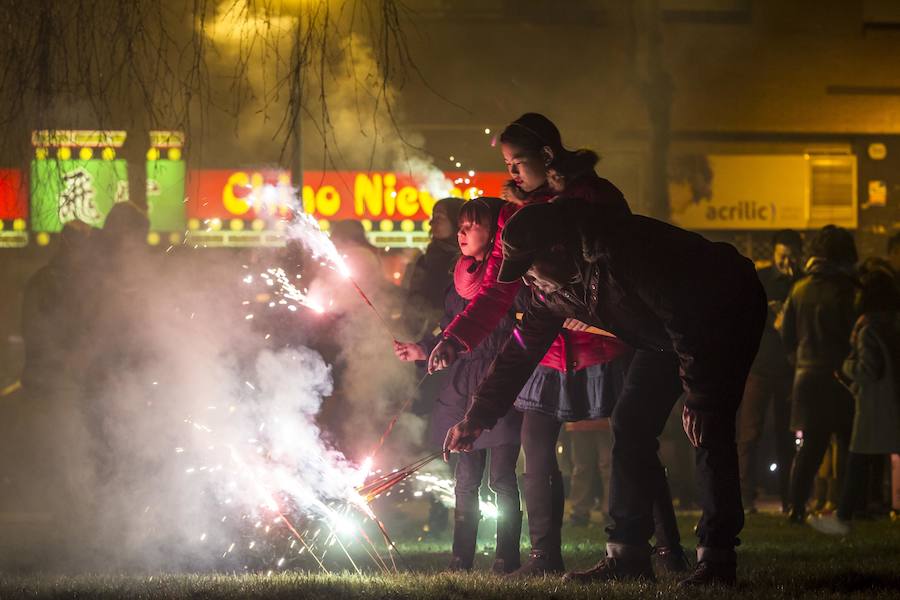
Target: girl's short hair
{"points": [[533, 131], [477, 211]]}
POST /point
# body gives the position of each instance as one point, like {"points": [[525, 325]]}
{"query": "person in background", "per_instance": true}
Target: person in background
{"points": [[818, 318], [873, 373], [591, 446], [771, 377], [477, 228], [428, 278], [54, 311]]}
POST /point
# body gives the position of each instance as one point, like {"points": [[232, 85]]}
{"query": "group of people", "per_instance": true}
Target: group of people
{"points": [[567, 307]]}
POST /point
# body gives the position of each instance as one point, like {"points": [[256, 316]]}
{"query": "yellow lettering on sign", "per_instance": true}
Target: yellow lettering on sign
{"points": [[233, 204], [328, 201], [408, 201], [390, 194], [426, 202], [367, 194], [309, 199]]}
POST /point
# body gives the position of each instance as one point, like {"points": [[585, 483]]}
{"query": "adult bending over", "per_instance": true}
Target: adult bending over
{"points": [[691, 308]]}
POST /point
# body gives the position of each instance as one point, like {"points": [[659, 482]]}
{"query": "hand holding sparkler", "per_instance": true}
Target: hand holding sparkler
{"points": [[443, 355], [408, 351], [461, 437]]}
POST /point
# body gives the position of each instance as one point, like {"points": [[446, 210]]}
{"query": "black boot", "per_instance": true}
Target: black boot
{"points": [[465, 536], [715, 566], [622, 563], [509, 532], [671, 559], [544, 499]]}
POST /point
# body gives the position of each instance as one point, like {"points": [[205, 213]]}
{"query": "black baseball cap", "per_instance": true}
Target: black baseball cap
{"points": [[533, 229]]}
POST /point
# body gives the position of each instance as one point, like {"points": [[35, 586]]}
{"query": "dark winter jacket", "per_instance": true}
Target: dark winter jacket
{"points": [[818, 317], [874, 369], [656, 287], [463, 378], [772, 358]]}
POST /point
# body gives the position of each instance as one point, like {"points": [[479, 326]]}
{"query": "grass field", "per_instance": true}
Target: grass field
{"points": [[776, 561]]}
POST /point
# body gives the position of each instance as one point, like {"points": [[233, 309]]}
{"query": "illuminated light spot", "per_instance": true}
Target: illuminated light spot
{"points": [[258, 225], [452, 159], [426, 226], [174, 237], [773, 467], [19, 225], [64, 153], [107, 154], [153, 154], [193, 223], [386, 225], [367, 224], [458, 164], [153, 238], [471, 173], [86, 154], [407, 225], [43, 238], [487, 131], [236, 224], [215, 224], [174, 154], [397, 275], [324, 224], [40, 153]]}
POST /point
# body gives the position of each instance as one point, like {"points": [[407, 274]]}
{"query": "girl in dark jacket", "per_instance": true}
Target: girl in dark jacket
{"points": [[477, 225]]}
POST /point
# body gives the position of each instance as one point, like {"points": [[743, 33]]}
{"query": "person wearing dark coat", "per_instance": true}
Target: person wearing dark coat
{"points": [[818, 318], [477, 224], [771, 377], [872, 372], [694, 312], [431, 273]]}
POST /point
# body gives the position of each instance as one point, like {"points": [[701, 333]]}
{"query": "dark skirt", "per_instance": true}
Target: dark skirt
{"points": [[589, 393]]}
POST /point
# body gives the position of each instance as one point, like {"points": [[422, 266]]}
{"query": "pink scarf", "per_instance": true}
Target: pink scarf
{"points": [[467, 276]]}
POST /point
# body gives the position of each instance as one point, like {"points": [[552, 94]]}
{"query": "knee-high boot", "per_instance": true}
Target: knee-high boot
{"points": [[465, 536]]}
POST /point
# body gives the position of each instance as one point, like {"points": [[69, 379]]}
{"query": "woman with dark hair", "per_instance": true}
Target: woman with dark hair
{"points": [[872, 372], [582, 372], [818, 317]]}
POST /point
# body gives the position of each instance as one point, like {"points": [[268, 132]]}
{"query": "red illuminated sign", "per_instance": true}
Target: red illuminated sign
{"points": [[267, 194], [13, 197]]}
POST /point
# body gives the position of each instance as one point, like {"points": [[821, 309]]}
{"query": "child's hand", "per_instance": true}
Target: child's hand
{"points": [[408, 351]]}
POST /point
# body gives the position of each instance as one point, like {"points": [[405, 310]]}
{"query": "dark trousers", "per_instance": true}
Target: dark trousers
{"points": [[856, 482], [759, 393], [833, 416], [651, 388], [501, 478]]}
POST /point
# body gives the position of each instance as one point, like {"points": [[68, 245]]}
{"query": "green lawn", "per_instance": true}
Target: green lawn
{"points": [[776, 561]]}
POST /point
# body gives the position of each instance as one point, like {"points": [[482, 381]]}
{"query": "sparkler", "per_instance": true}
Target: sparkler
{"points": [[379, 485]]}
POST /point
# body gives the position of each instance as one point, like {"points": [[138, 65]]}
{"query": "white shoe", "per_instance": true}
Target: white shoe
{"points": [[830, 525]]}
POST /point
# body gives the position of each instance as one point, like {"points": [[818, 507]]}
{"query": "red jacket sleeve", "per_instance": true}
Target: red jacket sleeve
{"points": [[485, 310]]}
